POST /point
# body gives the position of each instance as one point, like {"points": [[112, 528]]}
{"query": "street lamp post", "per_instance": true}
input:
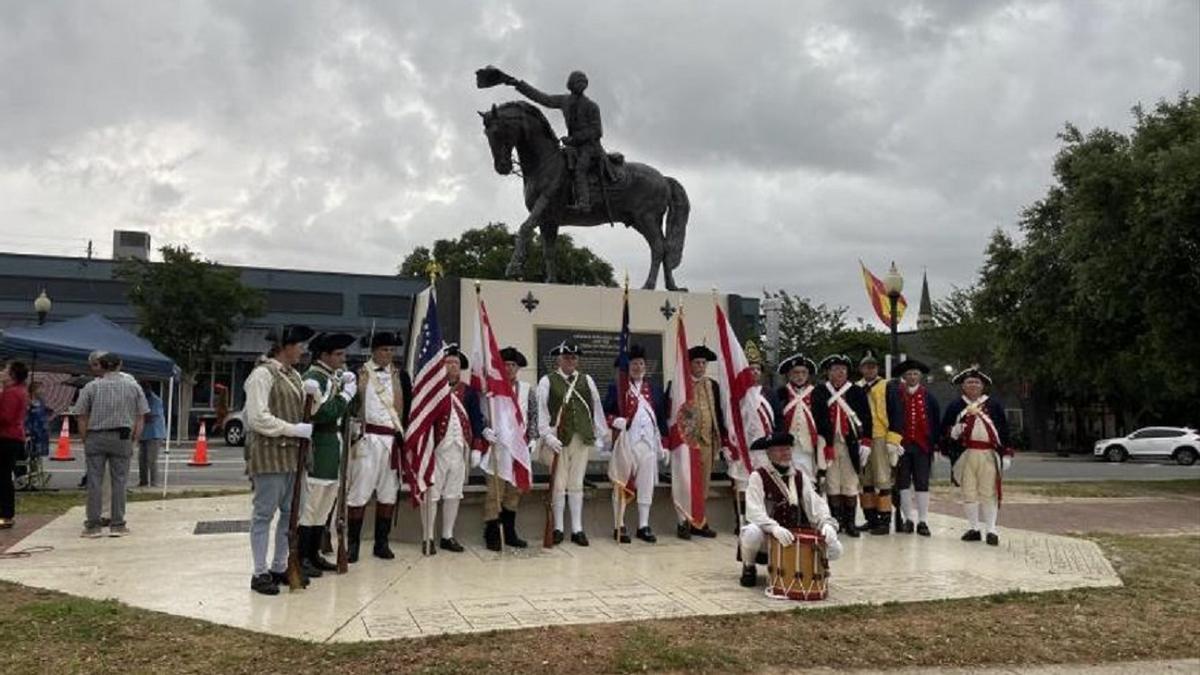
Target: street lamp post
{"points": [[42, 306], [893, 283]]}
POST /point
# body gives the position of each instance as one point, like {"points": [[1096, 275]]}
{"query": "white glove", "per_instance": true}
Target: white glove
{"points": [[894, 452], [1006, 463], [663, 454], [783, 535], [312, 388], [476, 458], [349, 389], [833, 546], [553, 443], [489, 435], [864, 453], [956, 431], [349, 377], [620, 424], [300, 430]]}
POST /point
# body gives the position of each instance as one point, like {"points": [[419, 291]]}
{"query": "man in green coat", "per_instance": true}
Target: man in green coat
{"points": [[330, 387]]}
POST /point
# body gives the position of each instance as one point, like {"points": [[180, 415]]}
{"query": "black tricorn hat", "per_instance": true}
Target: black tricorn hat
{"points": [[330, 342], [786, 365], [973, 371], [635, 351], [290, 334], [381, 339], [911, 364], [513, 355], [773, 441], [834, 360], [701, 352], [565, 348], [452, 349]]}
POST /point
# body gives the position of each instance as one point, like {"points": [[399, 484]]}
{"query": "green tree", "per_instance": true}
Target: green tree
{"points": [[484, 252], [818, 330], [189, 309], [961, 334], [1101, 299]]}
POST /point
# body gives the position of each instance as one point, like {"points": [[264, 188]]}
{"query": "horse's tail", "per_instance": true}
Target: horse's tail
{"points": [[678, 209]]}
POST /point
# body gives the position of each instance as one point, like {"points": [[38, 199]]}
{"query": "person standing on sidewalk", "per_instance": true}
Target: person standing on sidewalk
{"points": [[111, 411], [153, 436], [14, 405]]}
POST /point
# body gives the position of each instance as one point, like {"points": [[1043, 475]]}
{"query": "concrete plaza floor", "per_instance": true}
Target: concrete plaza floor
{"points": [[165, 566]]}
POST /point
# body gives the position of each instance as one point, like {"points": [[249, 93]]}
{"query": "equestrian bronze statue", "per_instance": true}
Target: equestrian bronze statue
{"points": [[573, 181]]}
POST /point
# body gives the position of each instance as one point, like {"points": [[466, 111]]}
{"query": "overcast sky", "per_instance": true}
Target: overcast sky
{"points": [[337, 136]]}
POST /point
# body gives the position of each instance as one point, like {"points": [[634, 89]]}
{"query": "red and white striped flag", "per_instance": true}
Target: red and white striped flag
{"points": [[511, 461], [431, 400], [687, 484], [739, 395]]}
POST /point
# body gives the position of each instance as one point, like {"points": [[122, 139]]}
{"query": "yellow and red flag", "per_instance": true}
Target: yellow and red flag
{"points": [[879, 298]]}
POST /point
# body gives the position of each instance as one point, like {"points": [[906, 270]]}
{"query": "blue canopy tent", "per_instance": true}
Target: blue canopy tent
{"points": [[65, 346]]}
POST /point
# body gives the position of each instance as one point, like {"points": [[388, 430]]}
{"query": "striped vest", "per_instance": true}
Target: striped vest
{"points": [[277, 454]]}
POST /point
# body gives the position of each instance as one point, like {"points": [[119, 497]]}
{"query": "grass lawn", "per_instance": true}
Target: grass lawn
{"points": [[1156, 615], [56, 503]]}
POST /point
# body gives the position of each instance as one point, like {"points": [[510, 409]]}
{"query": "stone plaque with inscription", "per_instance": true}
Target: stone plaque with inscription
{"points": [[599, 352]]}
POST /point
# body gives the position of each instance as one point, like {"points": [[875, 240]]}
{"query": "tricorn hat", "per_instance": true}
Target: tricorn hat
{"points": [[773, 441], [911, 364], [566, 348], [513, 355], [381, 339], [973, 371], [290, 334], [452, 349], [635, 351], [786, 365], [701, 352], [835, 360], [330, 342]]}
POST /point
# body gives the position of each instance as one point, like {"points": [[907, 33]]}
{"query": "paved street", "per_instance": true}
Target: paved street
{"points": [[227, 469]]}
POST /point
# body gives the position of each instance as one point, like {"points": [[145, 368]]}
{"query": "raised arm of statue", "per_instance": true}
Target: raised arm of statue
{"points": [[537, 96]]}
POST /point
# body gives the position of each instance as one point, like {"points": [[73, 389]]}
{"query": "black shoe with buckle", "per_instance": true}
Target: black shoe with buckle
{"points": [[264, 583], [683, 531], [646, 535], [922, 529], [557, 538], [621, 536], [906, 527], [971, 535], [706, 532], [749, 576], [993, 539], [579, 538], [450, 544]]}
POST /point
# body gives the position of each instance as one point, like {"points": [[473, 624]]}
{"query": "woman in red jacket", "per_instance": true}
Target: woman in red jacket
{"points": [[14, 404]]}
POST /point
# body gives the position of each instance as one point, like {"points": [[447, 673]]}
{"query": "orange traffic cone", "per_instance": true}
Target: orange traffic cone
{"points": [[200, 454], [62, 453]]}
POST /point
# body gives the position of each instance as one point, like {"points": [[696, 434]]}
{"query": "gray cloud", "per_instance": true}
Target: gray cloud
{"points": [[336, 135]]}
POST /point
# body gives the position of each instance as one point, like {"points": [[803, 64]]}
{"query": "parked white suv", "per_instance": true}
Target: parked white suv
{"points": [[1179, 443]]}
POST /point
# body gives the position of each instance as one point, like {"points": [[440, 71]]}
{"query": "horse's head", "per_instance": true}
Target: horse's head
{"points": [[502, 133]]}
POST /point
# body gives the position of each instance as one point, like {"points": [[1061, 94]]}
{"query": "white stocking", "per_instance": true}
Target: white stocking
{"points": [[618, 509], [906, 503], [972, 509], [923, 507], [449, 515], [429, 524], [989, 515], [643, 515], [576, 499], [560, 503]]}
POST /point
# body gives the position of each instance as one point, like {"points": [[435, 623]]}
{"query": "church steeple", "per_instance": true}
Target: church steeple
{"points": [[925, 313]]}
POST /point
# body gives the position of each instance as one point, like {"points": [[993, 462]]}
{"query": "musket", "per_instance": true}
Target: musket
{"points": [[343, 554], [295, 578]]}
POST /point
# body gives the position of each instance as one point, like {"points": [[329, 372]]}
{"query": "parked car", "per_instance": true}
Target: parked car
{"points": [[1181, 444], [235, 429]]}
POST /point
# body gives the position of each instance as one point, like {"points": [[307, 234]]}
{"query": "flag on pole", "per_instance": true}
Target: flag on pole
{"points": [[622, 469], [879, 298], [511, 462], [739, 394], [687, 484], [431, 400]]}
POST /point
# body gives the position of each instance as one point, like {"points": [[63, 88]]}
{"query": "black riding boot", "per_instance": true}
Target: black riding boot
{"points": [[511, 538], [314, 550], [353, 535], [383, 527], [491, 535]]}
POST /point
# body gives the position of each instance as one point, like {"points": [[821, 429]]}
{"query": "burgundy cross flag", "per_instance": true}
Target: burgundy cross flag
{"points": [[510, 460]]}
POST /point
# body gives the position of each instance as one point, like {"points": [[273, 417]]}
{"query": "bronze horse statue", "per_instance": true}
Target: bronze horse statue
{"points": [[639, 198]]}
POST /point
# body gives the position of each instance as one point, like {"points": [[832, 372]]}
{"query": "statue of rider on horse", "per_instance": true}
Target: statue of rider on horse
{"points": [[640, 198]]}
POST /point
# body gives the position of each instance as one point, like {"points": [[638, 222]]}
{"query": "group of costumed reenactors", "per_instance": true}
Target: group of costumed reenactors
{"points": [[818, 449]]}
